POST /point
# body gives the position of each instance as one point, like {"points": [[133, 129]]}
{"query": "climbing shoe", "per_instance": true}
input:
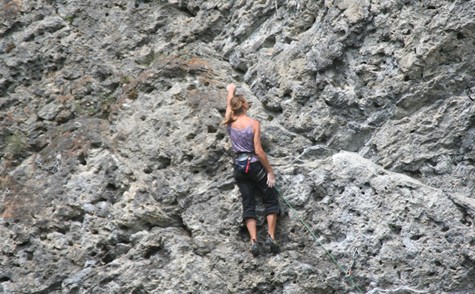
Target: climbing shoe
{"points": [[254, 248], [273, 246]]}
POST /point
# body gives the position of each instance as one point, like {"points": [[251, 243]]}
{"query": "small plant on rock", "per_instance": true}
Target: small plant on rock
{"points": [[70, 19], [16, 144]]}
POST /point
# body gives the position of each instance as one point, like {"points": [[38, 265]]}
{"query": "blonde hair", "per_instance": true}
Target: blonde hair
{"points": [[237, 107]]}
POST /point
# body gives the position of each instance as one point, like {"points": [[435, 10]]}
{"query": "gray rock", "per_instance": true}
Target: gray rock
{"points": [[116, 175]]}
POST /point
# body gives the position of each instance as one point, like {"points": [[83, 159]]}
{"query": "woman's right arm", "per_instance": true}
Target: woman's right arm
{"points": [[262, 155], [231, 90]]}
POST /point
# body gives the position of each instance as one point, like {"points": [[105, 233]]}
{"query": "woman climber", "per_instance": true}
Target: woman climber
{"points": [[252, 169]]}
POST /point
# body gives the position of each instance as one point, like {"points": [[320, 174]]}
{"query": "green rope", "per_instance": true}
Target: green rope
{"points": [[353, 283]]}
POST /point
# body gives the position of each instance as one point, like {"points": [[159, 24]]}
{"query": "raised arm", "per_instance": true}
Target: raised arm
{"points": [[231, 90], [261, 154]]}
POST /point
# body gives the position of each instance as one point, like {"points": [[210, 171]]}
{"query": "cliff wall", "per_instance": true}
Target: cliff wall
{"points": [[116, 175]]}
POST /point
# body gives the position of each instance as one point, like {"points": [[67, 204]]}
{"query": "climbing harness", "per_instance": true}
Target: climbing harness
{"points": [[348, 272], [243, 161]]}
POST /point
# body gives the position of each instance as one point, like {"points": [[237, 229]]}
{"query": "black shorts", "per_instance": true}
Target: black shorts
{"points": [[251, 182]]}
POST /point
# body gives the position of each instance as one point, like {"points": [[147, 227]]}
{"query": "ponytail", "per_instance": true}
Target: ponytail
{"points": [[228, 119], [237, 107]]}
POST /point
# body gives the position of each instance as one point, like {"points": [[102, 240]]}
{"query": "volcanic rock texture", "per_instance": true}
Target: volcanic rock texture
{"points": [[116, 175]]}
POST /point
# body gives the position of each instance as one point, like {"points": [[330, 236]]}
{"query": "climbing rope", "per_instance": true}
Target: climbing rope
{"points": [[333, 259]]}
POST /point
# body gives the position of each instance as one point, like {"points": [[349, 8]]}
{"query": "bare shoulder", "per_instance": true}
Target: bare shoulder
{"points": [[255, 124]]}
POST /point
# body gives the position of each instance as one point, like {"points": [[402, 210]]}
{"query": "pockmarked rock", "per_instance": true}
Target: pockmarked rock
{"points": [[116, 172]]}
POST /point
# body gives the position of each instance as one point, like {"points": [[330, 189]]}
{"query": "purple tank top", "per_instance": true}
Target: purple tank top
{"points": [[242, 140]]}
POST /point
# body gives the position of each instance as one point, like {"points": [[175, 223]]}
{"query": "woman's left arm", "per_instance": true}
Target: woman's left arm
{"points": [[260, 153]]}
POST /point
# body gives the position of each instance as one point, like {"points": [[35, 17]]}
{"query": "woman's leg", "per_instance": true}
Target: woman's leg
{"points": [[269, 195], [272, 209], [251, 225], [270, 241], [271, 224], [247, 189]]}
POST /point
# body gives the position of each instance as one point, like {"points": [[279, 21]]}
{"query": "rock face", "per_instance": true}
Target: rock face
{"points": [[116, 175]]}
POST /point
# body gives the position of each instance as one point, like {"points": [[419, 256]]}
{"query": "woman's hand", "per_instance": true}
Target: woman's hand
{"points": [[231, 88], [270, 180]]}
